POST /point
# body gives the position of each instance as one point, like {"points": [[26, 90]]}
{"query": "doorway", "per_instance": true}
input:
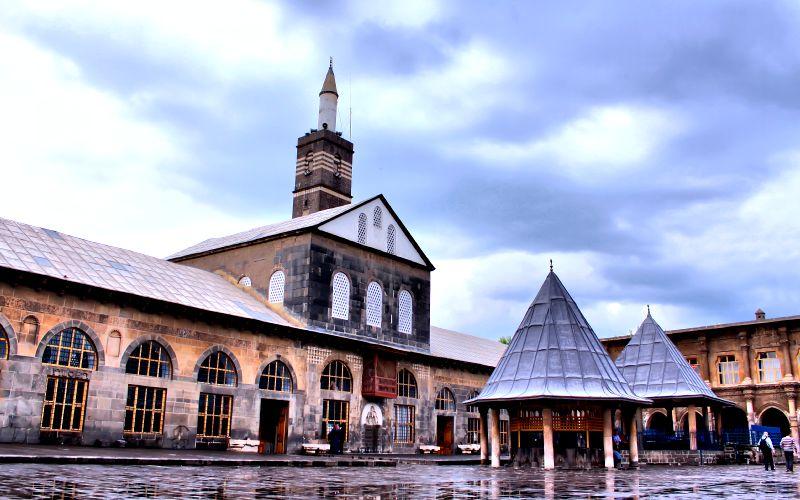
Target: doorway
{"points": [[273, 426], [444, 434]]}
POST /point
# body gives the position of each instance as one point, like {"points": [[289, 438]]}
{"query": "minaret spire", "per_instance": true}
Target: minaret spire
{"points": [[328, 101]]}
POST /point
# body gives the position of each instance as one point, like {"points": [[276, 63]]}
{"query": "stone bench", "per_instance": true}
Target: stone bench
{"points": [[427, 449], [316, 448], [244, 445], [469, 449]]}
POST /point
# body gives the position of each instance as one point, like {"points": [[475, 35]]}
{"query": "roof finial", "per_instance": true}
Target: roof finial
{"points": [[551, 265], [331, 65], [648, 309]]}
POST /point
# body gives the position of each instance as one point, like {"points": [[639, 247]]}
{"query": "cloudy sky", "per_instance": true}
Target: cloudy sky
{"points": [[652, 150]]}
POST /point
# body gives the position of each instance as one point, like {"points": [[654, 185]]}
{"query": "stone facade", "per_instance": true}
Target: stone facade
{"points": [[323, 173]]}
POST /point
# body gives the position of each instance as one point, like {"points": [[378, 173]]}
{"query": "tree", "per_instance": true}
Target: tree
{"points": [[505, 340]]}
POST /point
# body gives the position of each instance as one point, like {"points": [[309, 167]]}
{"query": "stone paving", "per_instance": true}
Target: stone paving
{"points": [[407, 481]]}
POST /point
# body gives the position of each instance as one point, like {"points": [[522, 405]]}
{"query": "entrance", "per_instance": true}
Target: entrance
{"points": [[273, 425], [444, 434]]}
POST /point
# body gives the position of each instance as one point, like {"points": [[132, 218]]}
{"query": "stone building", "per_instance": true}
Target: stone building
{"points": [[267, 337], [751, 363]]}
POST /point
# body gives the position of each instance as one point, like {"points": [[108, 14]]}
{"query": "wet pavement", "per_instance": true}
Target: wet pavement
{"points": [[405, 481]]}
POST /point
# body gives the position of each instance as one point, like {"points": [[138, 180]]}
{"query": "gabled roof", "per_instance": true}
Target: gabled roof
{"points": [[656, 369], [298, 224], [555, 354], [463, 347]]}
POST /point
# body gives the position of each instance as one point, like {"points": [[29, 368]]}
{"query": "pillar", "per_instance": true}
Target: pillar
{"points": [[718, 421], [633, 440], [673, 414], [692, 416], [494, 428], [744, 350], [608, 439], [788, 369], [484, 437], [751, 414], [547, 432], [793, 419]]}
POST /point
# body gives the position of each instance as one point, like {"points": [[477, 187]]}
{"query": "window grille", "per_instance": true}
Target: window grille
{"points": [[214, 416], [64, 404], [445, 400], [72, 348], [277, 285], [374, 304], [728, 369], [276, 377], [150, 359], [144, 411], [362, 228], [340, 307], [335, 412], [218, 369], [377, 217], [336, 377], [405, 321], [769, 367], [406, 384], [245, 281], [404, 424], [473, 408], [473, 430], [390, 239]]}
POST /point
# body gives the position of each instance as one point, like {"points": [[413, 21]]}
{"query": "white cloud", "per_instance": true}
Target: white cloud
{"points": [[606, 139], [405, 14]]}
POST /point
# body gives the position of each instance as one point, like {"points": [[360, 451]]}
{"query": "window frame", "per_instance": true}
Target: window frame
{"points": [[87, 348], [405, 427], [220, 420], [445, 403], [276, 289], [374, 289], [729, 367], [344, 306], [401, 323], [75, 404], [342, 374], [163, 362], [473, 435], [151, 407], [216, 369], [408, 386], [342, 410], [776, 370], [276, 379]]}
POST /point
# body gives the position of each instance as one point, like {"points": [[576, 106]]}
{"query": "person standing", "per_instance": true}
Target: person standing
{"points": [[789, 446], [766, 448]]}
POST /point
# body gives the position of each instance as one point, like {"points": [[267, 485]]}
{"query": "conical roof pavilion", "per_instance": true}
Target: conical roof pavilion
{"points": [[329, 85], [656, 369], [554, 355]]}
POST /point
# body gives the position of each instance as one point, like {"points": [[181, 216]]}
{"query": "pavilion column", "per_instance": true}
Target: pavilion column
{"points": [[718, 421], [494, 428], [484, 437], [788, 369], [692, 416], [547, 432], [633, 439], [744, 349], [674, 417], [608, 439]]}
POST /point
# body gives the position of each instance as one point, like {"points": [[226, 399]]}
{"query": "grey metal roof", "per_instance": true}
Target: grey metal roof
{"points": [[51, 253], [329, 85], [555, 354], [468, 348], [656, 369]]}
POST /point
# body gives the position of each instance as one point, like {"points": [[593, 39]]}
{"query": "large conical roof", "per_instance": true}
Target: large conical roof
{"points": [[329, 85], [657, 370], [554, 355]]}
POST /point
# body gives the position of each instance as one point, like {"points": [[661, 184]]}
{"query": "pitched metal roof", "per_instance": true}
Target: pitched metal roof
{"points": [[329, 85], [656, 369], [555, 354], [467, 348], [51, 253]]}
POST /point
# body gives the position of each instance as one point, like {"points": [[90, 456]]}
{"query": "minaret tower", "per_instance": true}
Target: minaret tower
{"points": [[324, 169]]}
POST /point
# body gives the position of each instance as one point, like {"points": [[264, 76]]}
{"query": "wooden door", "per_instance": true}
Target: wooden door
{"points": [[444, 434], [280, 431]]}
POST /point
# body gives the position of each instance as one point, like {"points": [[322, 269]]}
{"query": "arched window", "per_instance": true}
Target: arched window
{"points": [[245, 281], [151, 359], [3, 344], [362, 228], [377, 217], [113, 343], [374, 304], [30, 329], [390, 239], [340, 303], [445, 400], [277, 284], [276, 377], [72, 348], [406, 315], [473, 408], [218, 369], [336, 377], [406, 384]]}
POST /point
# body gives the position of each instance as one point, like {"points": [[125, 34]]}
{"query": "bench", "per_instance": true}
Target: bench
{"points": [[316, 448], [469, 449], [244, 445], [427, 449]]}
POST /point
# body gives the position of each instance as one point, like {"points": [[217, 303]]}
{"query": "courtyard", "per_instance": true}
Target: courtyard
{"points": [[403, 481]]}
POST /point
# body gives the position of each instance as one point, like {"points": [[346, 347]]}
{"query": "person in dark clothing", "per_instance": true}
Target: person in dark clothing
{"points": [[766, 448], [336, 439]]}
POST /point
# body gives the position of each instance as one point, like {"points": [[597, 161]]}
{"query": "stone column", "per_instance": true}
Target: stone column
{"points": [[484, 437], [633, 440], [494, 428], [547, 432], [788, 368], [705, 363], [692, 416], [744, 350], [608, 439], [673, 414], [793, 416], [751, 414], [718, 421]]}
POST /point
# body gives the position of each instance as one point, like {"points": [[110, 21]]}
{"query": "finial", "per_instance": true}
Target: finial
{"points": [[648, 309], [551, 265], [331, 66]]}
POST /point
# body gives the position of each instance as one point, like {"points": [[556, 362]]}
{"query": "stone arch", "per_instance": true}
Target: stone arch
{"points": [[734, 418], [774, 416], [5, 325], [211, 350], [80, 325], [658, 420], [173, 358], [683, 420], [278, 357]]}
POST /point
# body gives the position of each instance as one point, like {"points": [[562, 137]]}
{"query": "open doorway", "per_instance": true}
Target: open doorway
{"points": [[444, 434], [273, 426]]}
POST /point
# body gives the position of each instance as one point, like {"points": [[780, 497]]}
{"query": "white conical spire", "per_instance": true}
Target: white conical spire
{"points": [[328, 99]]}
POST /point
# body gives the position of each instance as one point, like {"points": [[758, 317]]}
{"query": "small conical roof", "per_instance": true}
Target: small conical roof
{"points": [[554, 355], [329, 85], [657, 370]]}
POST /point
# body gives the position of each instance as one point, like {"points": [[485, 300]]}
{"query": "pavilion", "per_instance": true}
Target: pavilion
{"points": [[656, 369], [560, 387]]}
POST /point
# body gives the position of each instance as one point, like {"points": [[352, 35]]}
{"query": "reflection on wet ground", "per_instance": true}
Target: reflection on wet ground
{"points": [[412, 481]]}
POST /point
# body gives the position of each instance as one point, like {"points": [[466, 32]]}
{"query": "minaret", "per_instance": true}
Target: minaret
{"points": [[324, 168]]}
